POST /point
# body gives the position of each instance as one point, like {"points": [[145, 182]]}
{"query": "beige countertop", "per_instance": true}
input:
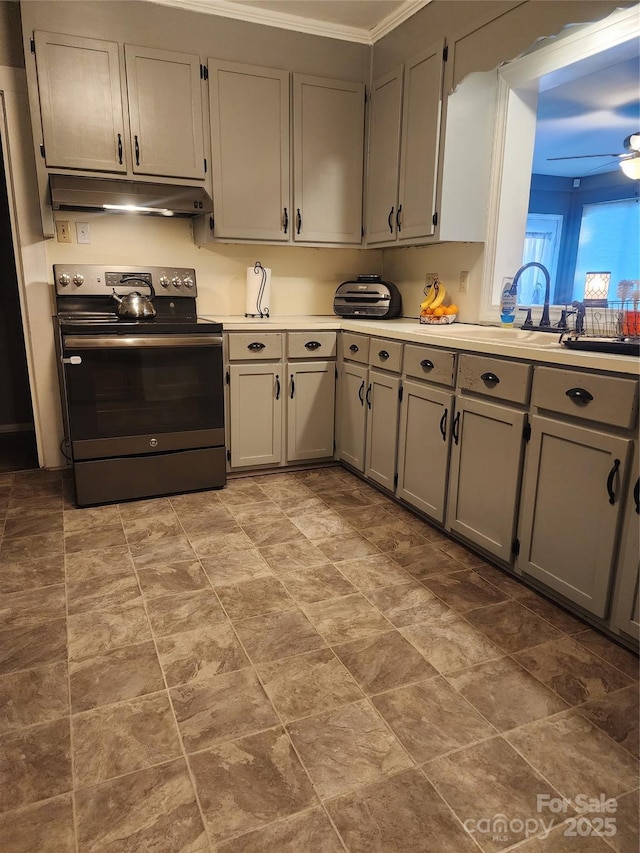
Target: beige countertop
{"points": [[511, 343]]}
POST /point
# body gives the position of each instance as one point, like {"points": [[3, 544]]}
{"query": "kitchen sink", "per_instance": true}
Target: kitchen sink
{"points": [[500, 335]]}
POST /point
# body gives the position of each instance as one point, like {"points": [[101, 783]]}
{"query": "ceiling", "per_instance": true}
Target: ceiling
{"points": [[589, 107], [362, 21]]}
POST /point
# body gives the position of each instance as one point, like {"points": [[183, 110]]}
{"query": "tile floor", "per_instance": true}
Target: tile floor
{"points": [[292, 664]]}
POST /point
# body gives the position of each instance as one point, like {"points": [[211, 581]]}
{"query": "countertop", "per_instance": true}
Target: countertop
{"points": [[511, 343]]}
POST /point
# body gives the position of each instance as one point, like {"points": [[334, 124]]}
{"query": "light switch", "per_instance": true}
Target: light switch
{"points": [[82, 232], [63, 231]]}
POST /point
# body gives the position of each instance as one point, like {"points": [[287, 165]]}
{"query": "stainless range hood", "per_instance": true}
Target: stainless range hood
{"points": [[71, 192]]}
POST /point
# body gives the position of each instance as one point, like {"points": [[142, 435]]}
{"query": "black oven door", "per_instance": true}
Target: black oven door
{"points": [[134, 395]]}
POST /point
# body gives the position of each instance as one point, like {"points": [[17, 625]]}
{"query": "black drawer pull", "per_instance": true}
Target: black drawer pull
{"points": [[455, 430], [313, 345], [579, 395], [120, 148], [137, 148], [361, 393], [298, 221], [636, 496], [398, 220], [490, 378], [612, 474], [427, 364], [383, 355], [256, 346], [277, 387], [390, 221], [369, 396], [443, 425], [285, 220], [353, 348], [293, 387]]}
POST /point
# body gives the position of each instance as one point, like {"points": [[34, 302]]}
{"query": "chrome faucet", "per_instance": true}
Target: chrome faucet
{"points": [[545, 322]]}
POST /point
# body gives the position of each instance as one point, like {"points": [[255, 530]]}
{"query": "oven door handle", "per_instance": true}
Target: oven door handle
{"points": [[82, 342]]}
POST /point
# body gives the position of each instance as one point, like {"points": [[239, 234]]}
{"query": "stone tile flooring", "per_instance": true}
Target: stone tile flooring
{"points": [[294, 663]]}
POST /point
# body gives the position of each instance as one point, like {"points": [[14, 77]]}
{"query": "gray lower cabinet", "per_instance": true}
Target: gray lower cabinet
{"points": [[625, 617], [255, 404], [310, 410], [423, 449], [571, 507], [382, 401], [352, 420], [484, 475]]}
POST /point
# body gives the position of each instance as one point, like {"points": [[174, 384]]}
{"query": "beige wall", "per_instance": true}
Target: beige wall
{"points": [[303, 280], [10, 35]]}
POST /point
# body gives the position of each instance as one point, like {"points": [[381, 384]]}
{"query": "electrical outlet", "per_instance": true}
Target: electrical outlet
{"points": [[464, 281], [82, 232], [63, 231], [430, 278]]}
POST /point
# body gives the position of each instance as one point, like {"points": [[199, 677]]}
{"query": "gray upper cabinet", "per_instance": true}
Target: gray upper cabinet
{"points": [[80, 103], [249, 109], [384, 157], [328, 140], [84, 96], [571, 510], [408, 214], [165, 112]]}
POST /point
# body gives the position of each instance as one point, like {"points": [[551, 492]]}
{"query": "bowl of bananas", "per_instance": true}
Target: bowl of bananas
{"points": [[433, 311]]}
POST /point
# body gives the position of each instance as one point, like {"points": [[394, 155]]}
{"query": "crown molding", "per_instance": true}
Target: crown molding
{"points": [[226, 9]]}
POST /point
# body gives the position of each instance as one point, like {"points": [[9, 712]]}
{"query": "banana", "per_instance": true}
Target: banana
{"points": [[431, 295], [441, 292]]}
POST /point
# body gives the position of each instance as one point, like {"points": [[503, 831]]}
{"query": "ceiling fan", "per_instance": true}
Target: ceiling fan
{"points": [[629, 159]]}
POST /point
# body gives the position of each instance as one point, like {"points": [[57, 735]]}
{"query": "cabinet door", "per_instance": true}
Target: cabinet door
{"points": [[328, 140], [383, 403], [423, 449], [484, 479], [310, 410], [255, 401], [352, 414], [384, 157], [250, 150], [626, 609], [421, 109], [165, 112], [571, 509], [80, 103]]}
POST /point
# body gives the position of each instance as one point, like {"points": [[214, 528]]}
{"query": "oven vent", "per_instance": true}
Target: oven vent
{"points": [[72, 192]]}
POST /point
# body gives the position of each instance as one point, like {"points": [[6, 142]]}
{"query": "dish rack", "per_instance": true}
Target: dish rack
{"points": [[613, 327]]}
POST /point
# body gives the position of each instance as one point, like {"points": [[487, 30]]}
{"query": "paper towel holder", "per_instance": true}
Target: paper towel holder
{"points": [[256, 301]]}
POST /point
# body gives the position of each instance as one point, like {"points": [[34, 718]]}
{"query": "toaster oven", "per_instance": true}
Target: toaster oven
{"points": [[368, 296]]}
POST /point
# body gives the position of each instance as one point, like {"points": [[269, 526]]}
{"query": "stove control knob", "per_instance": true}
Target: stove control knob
{"points": [[78, 280], [176, 282], [164, 281], [188, 282], [64, 280]]}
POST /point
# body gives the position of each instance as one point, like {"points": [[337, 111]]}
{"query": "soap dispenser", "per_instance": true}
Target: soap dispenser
{"points": [[508, 302]]}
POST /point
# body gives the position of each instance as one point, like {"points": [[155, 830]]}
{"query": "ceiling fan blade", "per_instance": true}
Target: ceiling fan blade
{"points": [[584, 156]]}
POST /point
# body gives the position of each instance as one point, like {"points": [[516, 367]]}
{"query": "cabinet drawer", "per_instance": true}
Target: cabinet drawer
{"points": [[244, 346], [311, 344], [606, 399], [435, 365], [385, 354], [355, 347], [494, 377]]}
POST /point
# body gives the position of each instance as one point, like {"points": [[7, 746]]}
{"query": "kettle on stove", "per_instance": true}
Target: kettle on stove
{"points": [[135, 306]]}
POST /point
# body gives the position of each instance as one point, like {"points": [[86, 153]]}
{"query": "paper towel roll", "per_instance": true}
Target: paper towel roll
{"points": [[258, 291]]}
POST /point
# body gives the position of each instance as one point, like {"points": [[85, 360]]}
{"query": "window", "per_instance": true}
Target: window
{"points": [[608, 241]]}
